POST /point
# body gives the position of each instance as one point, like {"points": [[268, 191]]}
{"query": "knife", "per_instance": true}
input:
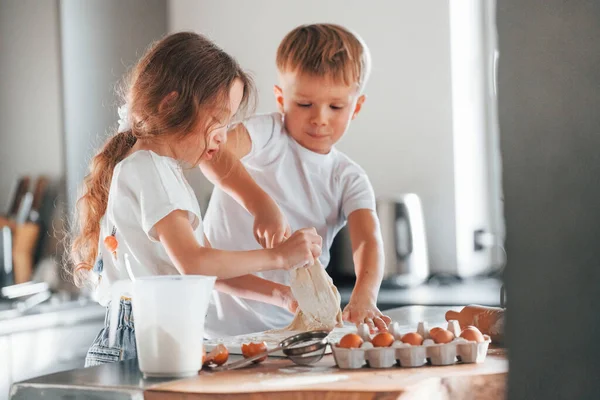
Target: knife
{"points": [[21, 188], [38, 198]]}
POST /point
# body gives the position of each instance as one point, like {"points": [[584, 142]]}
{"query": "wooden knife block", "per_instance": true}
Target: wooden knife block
{"points": [[25, 241]]}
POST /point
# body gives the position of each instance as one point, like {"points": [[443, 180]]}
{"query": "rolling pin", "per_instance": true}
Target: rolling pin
{"points": [[489, 320]]}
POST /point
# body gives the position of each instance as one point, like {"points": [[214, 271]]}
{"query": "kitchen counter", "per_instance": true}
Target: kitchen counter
{"points": [[484, 291], [46, 338], [279, 378], [50, 315]]}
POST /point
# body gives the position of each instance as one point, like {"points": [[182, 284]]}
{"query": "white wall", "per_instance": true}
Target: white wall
{"points": [[30, 93], [101, 40], [403, 137], [475, 132]]}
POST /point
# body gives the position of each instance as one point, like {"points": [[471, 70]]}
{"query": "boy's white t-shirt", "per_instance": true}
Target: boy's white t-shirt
{"points": [[145, 188], [312, 190]]}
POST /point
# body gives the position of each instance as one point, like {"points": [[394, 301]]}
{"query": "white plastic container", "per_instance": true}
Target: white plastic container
{"points": [[169, 316]]}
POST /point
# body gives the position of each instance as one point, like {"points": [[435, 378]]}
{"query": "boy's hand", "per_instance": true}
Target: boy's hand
{"points": [[270, 225], [365, 311]]}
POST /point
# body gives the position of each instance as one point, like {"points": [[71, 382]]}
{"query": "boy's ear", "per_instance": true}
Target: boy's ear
{"points": [[278, 97], [359, 104]]}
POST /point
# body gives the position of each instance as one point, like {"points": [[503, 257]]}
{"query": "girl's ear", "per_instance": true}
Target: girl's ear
{"points": [[167, 100]]}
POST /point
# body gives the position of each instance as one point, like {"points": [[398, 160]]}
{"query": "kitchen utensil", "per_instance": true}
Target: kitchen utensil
{"points": [[24, 208], [169, 316], [27, 231], [6, 272], [26, 236], [21, 188], [405, 244], [38, 198], [489, 320], [303, 349], [24, 289]]}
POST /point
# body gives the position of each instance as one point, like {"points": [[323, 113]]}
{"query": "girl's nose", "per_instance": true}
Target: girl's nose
{"points": [[221, 137]]}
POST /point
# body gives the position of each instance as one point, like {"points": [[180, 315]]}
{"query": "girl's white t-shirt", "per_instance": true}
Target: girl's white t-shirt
{"points": [[145, 188], [312, 190]]}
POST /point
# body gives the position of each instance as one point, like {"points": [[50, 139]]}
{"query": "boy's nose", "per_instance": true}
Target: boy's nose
{"points": [[319, 118]]}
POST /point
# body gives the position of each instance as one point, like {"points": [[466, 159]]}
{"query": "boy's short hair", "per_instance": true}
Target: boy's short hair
{"points": [[326, 50]]}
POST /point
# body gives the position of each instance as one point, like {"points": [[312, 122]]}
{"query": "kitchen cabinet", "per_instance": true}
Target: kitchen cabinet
{"points": [[46, 343]]}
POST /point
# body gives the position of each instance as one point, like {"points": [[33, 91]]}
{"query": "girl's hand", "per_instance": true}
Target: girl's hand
{"points": [[300, 249], [365, 311], [270, 225], [287, 299]]}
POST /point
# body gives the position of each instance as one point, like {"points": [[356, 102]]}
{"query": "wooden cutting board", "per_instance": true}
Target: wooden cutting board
{"points": [[281, 379]]}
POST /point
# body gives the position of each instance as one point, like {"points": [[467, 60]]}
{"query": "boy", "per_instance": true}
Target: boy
{"points": [[323, 69]]}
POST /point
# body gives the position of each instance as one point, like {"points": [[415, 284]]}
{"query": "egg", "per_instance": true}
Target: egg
{"points": [[472, 334], [413, 339], [252, 349], [432, 331], [383, 339], [442, 336], [351, 341]]}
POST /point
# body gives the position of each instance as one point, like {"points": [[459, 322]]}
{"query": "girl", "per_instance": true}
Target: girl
{"points": [[182, 96]]}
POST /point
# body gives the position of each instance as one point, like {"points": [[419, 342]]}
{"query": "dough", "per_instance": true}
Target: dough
{"points": [[318, 300]]}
